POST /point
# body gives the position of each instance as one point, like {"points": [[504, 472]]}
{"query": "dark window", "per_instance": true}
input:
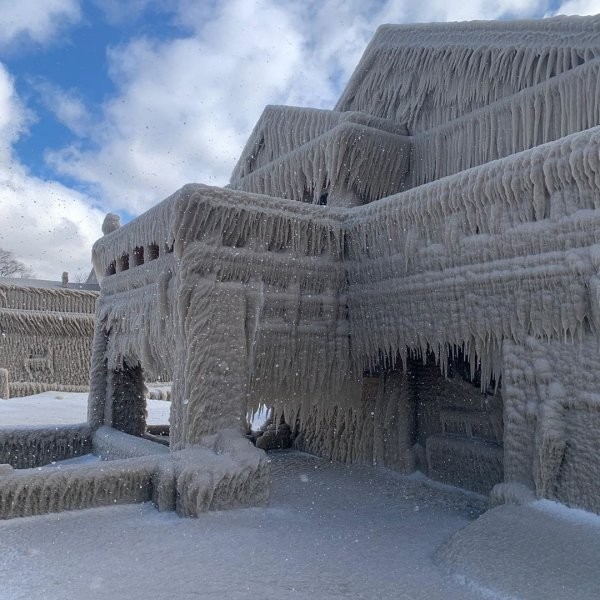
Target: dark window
{"points": [[153, 251], [138, 256]]}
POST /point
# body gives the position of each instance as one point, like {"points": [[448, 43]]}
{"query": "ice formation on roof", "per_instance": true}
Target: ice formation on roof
{"points": [[446, 210], [427, 75]]}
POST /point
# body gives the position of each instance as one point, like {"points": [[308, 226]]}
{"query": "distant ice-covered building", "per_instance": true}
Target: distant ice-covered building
{"points": [[46, 331], [410, 280]]}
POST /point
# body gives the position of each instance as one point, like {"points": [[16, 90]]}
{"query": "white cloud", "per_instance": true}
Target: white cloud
{"points": [[119, 11], [66, 105], [459, 10], [14, 117], [185, 106], [35, 20], [579, 7], [48, 226]]}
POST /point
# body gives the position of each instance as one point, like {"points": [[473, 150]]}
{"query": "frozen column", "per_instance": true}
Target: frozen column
{"points": [[210, 391], [4, 391]]}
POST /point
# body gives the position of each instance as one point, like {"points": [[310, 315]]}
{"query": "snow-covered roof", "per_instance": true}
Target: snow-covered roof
{"points": [[48, 285], [427, 74]]}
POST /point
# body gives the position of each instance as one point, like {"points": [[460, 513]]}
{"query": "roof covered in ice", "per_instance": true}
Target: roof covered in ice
{"points": [[48, 285], [427, 74]]}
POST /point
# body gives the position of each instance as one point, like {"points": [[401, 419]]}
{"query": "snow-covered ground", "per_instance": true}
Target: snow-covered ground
{"points": [[62, 408], [330, 532], [541, 551]]}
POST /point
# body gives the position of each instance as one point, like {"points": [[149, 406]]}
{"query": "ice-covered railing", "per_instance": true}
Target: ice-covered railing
{"points": [[237, 219], [500, 251], [427, 75], [552, 109], [282, 129], [226, 217], [31, 388], [143, 240], [229, 473], [29, 447]]}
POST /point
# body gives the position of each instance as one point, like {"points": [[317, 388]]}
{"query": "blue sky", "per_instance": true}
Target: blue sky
{"points": [[111, 105]]}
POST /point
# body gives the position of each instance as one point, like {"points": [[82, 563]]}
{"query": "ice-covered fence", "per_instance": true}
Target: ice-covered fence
{"points": [[29, 447]]}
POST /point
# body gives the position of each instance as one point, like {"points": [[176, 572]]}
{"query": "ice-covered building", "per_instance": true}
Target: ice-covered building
{"points": [[46, 330], [410, 280]]}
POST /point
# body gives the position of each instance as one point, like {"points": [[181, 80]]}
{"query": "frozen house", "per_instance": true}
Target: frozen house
{"points": [[409, 280], [46, 330]]}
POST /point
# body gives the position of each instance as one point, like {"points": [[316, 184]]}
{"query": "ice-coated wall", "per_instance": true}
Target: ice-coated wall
{"points": [[552, 419]]}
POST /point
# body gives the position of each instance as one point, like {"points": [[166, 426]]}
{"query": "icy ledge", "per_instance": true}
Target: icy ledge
{"points": [[226, 471]]}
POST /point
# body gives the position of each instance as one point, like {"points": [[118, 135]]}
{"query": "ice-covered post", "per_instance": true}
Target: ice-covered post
{"points": [[4, 391], [210, 385], [111, 223]]}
